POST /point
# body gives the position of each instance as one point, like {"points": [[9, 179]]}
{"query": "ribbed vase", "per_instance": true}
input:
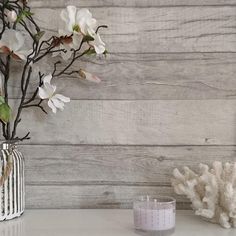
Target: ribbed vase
{"points": [[12, 189]]}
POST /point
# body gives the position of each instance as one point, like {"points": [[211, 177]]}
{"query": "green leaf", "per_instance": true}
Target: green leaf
{"points": [[5, 112], [23, 13], [39, 35], [90, 52], [88, 38], [2, 100]]}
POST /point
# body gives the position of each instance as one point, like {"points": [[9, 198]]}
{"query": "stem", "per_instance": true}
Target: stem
{"points": [[17, 119], [6, 78], [36, 105], [35, 92], [3, 20], [2, 66], [3, 129]]}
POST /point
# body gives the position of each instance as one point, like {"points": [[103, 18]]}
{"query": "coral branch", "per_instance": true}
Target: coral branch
{"points": [[212, 191]]}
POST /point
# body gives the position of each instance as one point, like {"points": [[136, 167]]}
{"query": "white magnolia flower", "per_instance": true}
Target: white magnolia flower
{"points": [[13, 43], [78, 20], [88, 76], [79, 23], [47, 91], [11, 15], [98, 44]]}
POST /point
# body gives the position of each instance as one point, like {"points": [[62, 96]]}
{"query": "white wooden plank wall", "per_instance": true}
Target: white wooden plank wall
{"points": [[167, 99]]}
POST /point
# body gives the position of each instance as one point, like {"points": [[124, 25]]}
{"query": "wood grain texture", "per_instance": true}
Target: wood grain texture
{"points": [[94, 196], [115, 165], [156, 30], [153, 122], [131, 3], [150, 76], [169, 80], [108, 176]]}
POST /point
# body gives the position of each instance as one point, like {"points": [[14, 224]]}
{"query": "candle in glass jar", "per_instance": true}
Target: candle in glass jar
{"points": [[154, 213]]}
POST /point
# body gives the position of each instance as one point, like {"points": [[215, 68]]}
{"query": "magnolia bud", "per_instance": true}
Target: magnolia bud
{"points": [[88, 76], [11, 15]]}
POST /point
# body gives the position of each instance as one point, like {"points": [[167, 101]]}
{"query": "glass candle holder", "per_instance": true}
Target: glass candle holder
{"points": [[154, 215]]}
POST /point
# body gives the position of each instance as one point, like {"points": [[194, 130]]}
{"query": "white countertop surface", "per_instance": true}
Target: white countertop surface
{"points": [[99, 223]]}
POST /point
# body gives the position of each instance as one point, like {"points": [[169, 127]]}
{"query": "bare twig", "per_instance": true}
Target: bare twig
{"points": [[23, 138], [35, 105]]}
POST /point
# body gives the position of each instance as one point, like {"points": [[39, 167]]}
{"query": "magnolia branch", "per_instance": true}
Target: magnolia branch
{"points": [[41, 48], [6, 78]]}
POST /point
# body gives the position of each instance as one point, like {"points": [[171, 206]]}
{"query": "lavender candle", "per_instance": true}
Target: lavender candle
{"points": [[154, 214]]}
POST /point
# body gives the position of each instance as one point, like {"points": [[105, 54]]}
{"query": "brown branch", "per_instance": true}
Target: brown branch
{"points": [[101, 26], [4, 129], [6, 78], [16, 122], [26, 137], [36, 91], [2, 66], [3, 20], [55, 67], [36, 105]]}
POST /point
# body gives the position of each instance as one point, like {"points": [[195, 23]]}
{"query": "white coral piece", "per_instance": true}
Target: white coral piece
{"points": [[212, 191]]}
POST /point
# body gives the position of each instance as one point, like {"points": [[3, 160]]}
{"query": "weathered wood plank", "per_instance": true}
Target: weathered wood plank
{"points": [[55, 171], [151, 76], [155, 30], [94, 196], [115, 165], [169, 122], [130, 3], [110, 176]]}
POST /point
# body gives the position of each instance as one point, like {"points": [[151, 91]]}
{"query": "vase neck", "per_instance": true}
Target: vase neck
{"points": [[8, 145]]}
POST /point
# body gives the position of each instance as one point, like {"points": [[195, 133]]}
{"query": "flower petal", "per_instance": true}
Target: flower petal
{"points": [[85, 21], [99, 49], [98, 44], [77, 38], [62, 97], [14, 41], [4, 49], [43, 93], [51, 89], [11, 15], [47, 79], [47, 90], [68, 16], [52, 106], [57, 103]]}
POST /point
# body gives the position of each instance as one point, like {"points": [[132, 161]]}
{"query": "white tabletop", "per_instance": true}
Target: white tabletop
{"points": [[99, 223]]}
